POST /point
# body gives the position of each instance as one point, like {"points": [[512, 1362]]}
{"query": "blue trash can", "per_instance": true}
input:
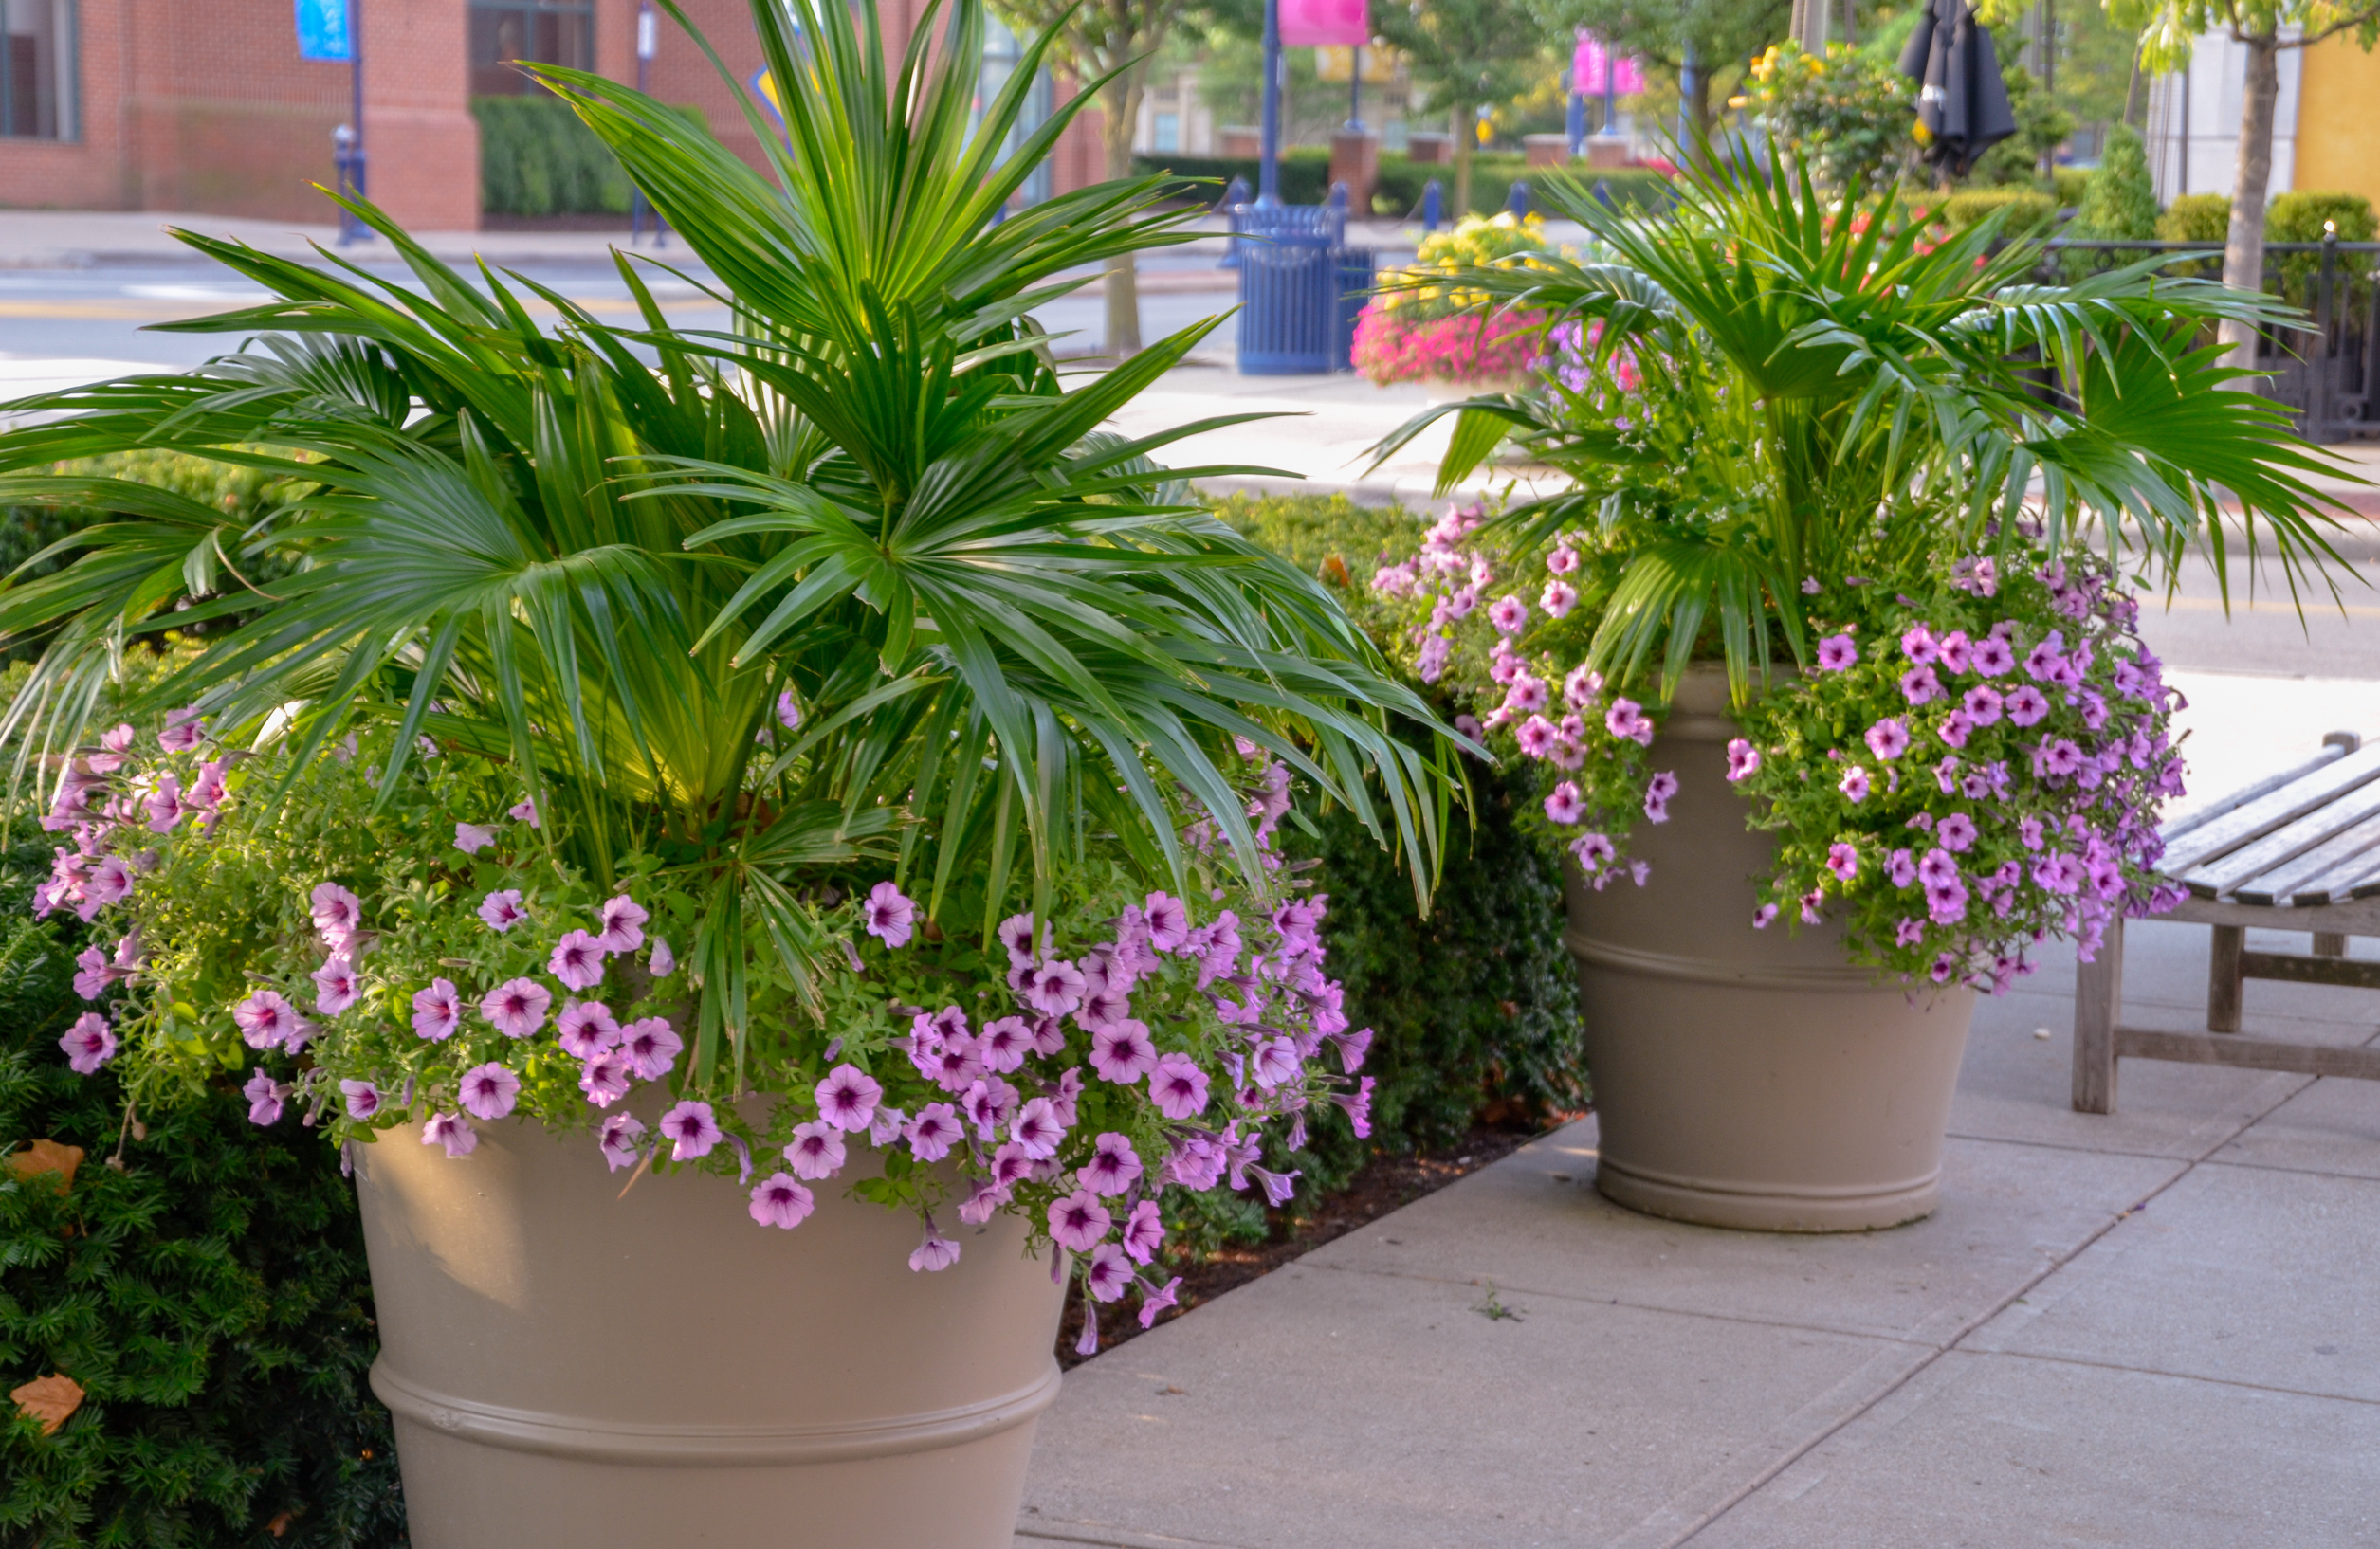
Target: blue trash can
{"points": [[1300, 288]]}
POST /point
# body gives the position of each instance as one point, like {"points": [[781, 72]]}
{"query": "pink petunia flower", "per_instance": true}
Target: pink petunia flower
{"points": [[1178, 1087], [93, 973], [1957, 651], [779, 1201], [1003, 1044], [471, 838], [362, 1099], [1124, 1052], [788, 711], [1658, 793], [1055, 988], [663, 963], [847, 1097], [1275, 1062], [1110, 1274], [1743, 760], [264, 1095], [1558, 599], [1537, 737], [1527, 694], [206, 794], [606, 1077], [1843, 861], [934, 1253], [693, 1128], [437, 1011], [586, 1029], [110, 881], [577, 960], [1113, 1167], [1957, 728], [1901, 868], [886, 1125], [266, 1019], [623, 925], [1168, 920], [502, 909], [987, 1106], [1078, 1221], [1837, 652], [1921, 685], [1564, 805], [2026, 706], [1854, 783], [1015, 934], [1993, 656], [523, 812], [335, 987], [1581, 688], [1508, 614], [184, 730], [619, 1139], [1763, 916], [1143, 1232], [816, 1150], [934, 1131], [488, 1091], [1593, 851], [889, 915], [337, 913], [1626, 719], [1956, 832], [165, 806], [1888, 739], [517, 1007], [1918, 645], [448, 1130], [1153, 1303], [1358, 1106], [89, 1044], [652, 1046]]}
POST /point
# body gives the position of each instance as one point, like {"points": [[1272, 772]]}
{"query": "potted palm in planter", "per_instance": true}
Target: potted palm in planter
{"points": [[757, 843], [1848, 549]]}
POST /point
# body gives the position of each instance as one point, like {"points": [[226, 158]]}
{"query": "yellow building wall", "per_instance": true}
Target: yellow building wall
{"points": [[2338, 131]]}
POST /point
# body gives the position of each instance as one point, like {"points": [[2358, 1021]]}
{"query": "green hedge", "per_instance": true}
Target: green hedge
{"points": [[536, 158], [2028, 211], [1306, 180], [209, 1297], [1475, 1010], [1305, 173]]}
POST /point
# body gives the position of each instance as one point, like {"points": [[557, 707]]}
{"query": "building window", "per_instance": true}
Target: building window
{"points": [[1167, 133], [504, 31], [37, 69], [1001, 53]]}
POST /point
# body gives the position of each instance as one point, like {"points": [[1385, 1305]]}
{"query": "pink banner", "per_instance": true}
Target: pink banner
{"points": [[1325, 23], [1588, 65]]}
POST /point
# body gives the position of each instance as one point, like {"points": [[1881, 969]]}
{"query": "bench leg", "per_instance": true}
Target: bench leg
{"points": [[2330, 943], [2099, 998], [2224, 978]]}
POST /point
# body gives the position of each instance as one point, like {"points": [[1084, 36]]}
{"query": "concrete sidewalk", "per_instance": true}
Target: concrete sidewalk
{"points": [[2151, 1329]]}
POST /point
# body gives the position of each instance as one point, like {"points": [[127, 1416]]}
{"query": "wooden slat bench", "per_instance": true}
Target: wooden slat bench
{"points": [[2300, 852]]}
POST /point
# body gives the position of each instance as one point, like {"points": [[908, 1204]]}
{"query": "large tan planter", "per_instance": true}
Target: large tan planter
{"points": [[1746, 1077], [572, 1370]]}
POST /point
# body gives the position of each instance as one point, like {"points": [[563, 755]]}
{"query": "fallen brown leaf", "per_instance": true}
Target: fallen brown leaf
{"points": [[50, 1399], [45, 1156]]}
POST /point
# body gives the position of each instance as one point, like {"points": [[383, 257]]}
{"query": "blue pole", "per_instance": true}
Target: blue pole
{"points": [[1269, 166], [1689, 87], [1576, 127]]}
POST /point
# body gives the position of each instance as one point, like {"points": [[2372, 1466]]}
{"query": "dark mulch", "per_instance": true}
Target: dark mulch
{"points": [[1385, 1183]]}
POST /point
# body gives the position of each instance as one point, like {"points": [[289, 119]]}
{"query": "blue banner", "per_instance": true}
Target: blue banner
{"points": [[322, 31]]}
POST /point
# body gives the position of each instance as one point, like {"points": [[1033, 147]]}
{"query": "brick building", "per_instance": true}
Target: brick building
{"points": [[168, 105]]}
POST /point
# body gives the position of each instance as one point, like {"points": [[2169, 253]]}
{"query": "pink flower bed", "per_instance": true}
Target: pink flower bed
{"points": [[1459, 349]]}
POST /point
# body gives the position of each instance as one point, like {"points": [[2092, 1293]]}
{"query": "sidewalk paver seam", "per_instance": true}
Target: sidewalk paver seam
{"points": [[2177, 1376]]}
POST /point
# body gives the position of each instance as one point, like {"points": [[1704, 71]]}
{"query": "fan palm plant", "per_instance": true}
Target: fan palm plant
{"points": [[1824, 395], [852, 578]]}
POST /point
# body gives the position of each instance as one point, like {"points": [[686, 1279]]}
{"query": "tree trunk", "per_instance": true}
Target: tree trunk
{"points": [[2244, 247], [1463, 134], [1121, 110]]}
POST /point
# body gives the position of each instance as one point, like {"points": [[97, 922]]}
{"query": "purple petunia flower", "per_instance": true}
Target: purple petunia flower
{"points": [[935, 1254], [586, 1029], [1108, 1274], [1054, 988], [606, 1077], [437, 1011], [1957, 728], [1837, 652], [471, 838], [1358, 1106], [264, 1095], [1843, 861], [1525, 695], [663, 963], [266, 1019], [652, 1046], [1626, 719], [335, 987], [502, 909], [523, 812], [847, 1097], [1015, 934], [934, 1131], [89, 1044], [488, 1091], [816, 1150], [1508, 614], [788, 711], [987, 1106], [1900, 868], [1143, 1232], [619, 1139], [448, 1130], [1564, 805], [1168, 920], [1956, 832], [1003, 1044], [1993, 656], [362, 1099], [1078, 1221], [577, 960], [1124, 1052], [1854, 783], [1581, 688], [1956, 651], [1113, 1167], [1937, 869], [517, 1006], [1592, 851], [184, 730], [1920, 686], [1658, 793], [1918, 645], [693, 1128], [1743, 760], [1763, 916], [1178, 1087], [337, 913], [1888, 739], [623, 922], [1035, 1130], [1153, 1303], [2026, 706], [778, 1201], [889, 915]]}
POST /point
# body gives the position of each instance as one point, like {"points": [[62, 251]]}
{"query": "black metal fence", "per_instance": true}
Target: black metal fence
{"points": [[2328, 375]]}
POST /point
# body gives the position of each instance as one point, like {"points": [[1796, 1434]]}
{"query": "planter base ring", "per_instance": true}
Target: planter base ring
{"points": [[1758, 1208], [701, 1445]]}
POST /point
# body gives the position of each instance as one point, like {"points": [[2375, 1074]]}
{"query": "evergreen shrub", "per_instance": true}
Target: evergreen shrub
{"points": [[536, 158]]}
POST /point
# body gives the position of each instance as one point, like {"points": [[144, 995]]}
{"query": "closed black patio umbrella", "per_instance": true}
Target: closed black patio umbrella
{"points": [[1960, 103]]}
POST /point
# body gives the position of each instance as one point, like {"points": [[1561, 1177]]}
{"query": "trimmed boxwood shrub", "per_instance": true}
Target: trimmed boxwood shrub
{"points": [[2028, 212], [208, 1295], [1475, 1010], [1305, 174], [536, 158]]}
